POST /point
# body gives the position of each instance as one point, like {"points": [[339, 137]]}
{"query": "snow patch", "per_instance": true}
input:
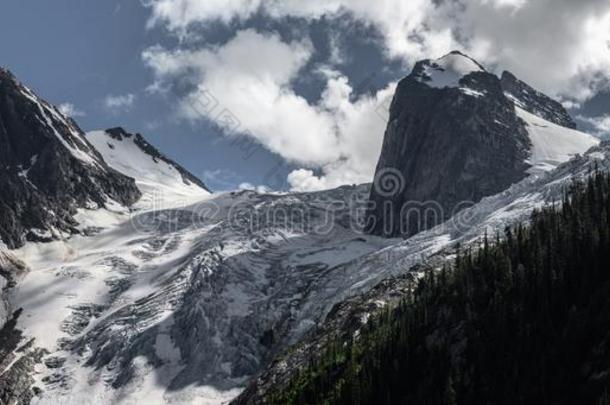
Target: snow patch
{"points": [[471, 92], [553, 144], [449, 70]]}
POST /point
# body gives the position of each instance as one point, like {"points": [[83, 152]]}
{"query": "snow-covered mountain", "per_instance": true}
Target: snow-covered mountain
{"points": [[188, 304], [447, 71], [185, 296], [163, 182]]}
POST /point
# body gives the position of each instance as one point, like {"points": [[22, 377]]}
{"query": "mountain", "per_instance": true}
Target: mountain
{"points": [[191, 303], [161, 180], [458, 133], [49, 169], [197, 297], [535, 102], [189, 297]]}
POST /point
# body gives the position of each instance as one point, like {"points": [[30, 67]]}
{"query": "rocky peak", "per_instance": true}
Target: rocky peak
{"points": [[453, 137], [535, 102]]}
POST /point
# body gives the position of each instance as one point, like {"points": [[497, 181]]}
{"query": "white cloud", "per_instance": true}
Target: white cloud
{"points": [[252, 187], [120, 103], [69, 110], [179, 14], [600, 124], [398, 20], [337, 53], [511, 4], [560, 46], [221, 179], [244, 86]]}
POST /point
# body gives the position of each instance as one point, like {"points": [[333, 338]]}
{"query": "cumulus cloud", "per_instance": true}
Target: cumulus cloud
{"points": [[560, 46], [69, 110], [406, 25], [600, 124], [244, 87], [252, 187], [120, 103]]}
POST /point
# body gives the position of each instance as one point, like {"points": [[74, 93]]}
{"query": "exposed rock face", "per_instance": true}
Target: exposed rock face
{"points": [[18, 357], [535, 102], [47, 169], [10, 269], [453, 138]]}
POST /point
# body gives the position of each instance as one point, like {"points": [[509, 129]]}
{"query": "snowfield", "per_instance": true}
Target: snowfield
{"points": [[553, 144], [161, 183], [168, 297]]}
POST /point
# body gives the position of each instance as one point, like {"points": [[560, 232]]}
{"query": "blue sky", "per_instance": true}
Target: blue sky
{"points": [[80, 52], [306, 80]]}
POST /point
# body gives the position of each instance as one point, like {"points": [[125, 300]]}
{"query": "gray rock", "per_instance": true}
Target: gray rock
{"points": [[445, 148]]}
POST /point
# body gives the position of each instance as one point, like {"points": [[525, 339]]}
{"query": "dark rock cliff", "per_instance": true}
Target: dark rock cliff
{"points": [[453, 137]]}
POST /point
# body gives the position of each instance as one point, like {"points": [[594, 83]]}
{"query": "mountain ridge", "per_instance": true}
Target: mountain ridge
{"points": [[49, 169], [119, 133], [162, 181]]}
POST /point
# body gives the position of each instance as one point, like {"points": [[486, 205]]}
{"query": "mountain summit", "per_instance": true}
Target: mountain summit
{"points": [[446, 71], [458, 133]]}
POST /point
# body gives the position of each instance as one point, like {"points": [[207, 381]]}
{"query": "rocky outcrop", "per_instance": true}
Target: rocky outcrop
{"points": [[18, 358], [453, 138], [47, 169], [18, 355], [343, 321], [10, 269]]}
